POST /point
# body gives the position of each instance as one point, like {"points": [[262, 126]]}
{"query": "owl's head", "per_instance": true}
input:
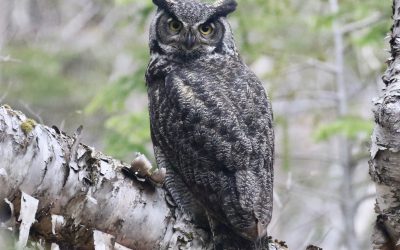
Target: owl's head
{"points": [[191, 27]]}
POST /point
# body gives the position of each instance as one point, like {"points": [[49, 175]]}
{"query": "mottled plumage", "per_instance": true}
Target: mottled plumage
{"points": [[211, 120]]}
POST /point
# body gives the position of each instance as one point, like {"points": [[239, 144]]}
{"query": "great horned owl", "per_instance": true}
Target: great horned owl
{"points": [[211, 120]]}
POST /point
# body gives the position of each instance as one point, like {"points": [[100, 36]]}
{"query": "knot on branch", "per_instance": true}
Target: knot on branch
{"points": [[387, 108]]}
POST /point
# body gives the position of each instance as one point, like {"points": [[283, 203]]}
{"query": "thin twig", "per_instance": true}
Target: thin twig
{"points": [[5, 94], [324, 66], [80, 20], [33, 113], [361, 24], [8, 59]]}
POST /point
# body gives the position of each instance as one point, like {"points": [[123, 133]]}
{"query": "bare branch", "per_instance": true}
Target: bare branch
{"points": [[324, 66], [33, 113], [9, 59], [361, 24], [80, 20], [4, 95]]}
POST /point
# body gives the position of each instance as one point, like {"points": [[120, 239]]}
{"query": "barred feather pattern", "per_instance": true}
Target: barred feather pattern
{"points": [[211, 126]]}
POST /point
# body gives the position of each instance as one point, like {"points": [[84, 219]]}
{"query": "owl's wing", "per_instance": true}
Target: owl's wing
{"points": [[179, 191], [173, 181], [221, 142]]}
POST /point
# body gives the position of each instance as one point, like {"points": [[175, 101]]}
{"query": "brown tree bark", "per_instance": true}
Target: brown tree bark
{"points": [[56, 190], [385, 148]]}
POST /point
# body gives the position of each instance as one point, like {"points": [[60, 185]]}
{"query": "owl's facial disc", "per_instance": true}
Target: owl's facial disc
{"points": [[180, 37]]}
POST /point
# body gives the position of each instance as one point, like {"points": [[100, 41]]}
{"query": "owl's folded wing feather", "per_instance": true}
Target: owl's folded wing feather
{"points": [[223, 145]]}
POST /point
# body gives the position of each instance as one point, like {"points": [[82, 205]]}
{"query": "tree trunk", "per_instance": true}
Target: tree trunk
{"points": [[385, 148], [55, 189]]}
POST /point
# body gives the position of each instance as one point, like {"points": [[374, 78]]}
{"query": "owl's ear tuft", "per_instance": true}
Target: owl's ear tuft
{"points": [[164, 4], [224, 7]]}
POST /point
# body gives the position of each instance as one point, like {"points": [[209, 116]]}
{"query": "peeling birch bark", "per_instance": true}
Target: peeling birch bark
{"points": [[81, 191], [385, 148], [27, 214], [85, 198]]}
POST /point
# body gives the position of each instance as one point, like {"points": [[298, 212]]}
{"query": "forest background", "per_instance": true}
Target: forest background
{"points": [[82, 62]]}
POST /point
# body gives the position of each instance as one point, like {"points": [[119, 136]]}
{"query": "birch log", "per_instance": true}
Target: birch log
{"points": [[84, 197], [66, 193], [385, 148]]}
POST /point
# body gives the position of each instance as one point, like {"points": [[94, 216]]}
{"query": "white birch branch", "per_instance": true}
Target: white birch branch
{"points": [[85, 198], [82, 191]]}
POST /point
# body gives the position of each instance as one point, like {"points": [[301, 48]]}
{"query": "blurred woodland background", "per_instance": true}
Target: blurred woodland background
{"points": [[82, 62]]}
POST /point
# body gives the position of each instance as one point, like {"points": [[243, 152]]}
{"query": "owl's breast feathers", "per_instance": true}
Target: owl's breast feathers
{"points": [[213, 121]]}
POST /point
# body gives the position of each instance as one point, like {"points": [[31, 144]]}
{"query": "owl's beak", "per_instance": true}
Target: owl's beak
{"points": [[190, 40]]}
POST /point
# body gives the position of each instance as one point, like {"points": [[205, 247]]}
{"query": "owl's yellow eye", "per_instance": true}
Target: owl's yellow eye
{"points": [[206, 29], [174, 25]]}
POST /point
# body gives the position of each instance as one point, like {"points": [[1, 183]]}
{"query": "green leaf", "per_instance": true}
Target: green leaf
{"points": [[373, 35], [127, 134], [112, 97], [323, 22], [350, 127]]}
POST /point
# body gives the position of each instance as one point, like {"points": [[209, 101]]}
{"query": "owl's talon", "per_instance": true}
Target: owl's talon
{"points": [[141, 167], [158, 176], [170, 200]]}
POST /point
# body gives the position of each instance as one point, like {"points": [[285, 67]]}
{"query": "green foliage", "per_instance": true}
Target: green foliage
{"points": [[123, 2], [354, 11], [43, 77], [322, 22], [112, 97], [372, 36], [36, 75], [127, 134], [350, 127]]}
